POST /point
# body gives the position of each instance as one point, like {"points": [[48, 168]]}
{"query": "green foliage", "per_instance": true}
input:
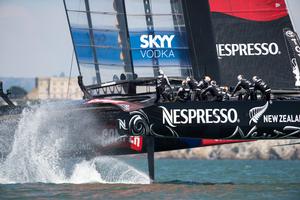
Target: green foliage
{"points": [[17, 92]]}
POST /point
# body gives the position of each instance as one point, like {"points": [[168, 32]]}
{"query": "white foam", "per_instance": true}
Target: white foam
{"points": [[36, 155]]}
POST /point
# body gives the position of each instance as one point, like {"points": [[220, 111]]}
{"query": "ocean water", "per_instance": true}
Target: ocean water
{"points": [[35, 168], [175, 179]]}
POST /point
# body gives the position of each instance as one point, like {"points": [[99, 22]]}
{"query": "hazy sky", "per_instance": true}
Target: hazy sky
{"points": [[35, 39]]}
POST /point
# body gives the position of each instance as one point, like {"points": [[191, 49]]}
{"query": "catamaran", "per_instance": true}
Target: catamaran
{"points": [[121, 46]]}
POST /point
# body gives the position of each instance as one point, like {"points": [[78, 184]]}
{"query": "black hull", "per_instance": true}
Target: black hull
{"points": [[242, 120], [92, 131]]}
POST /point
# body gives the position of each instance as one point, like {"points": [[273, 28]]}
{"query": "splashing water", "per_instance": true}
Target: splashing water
{"points": [[111, 171], [40, 140]]}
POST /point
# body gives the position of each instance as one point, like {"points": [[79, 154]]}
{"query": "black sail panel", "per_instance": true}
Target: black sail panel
{"points": [[250, 41]]}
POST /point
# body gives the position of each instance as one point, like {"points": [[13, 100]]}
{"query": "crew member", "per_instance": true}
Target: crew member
{"points": [[163, 88], [214, 91], [193, 85], [225, 94], [243, 87], [184, 92], [202, 85], [260, 85]]}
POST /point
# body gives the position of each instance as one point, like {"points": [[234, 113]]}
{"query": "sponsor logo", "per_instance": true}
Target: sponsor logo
{"points": [[122, 124], [294, 40], [137, 125], [288, 132], [175, 117], [281, 118], [296, 71], [294, 44], [256, 113], [136, 142], [110, 136], [290, 34], [156, 46], [248, 49]]}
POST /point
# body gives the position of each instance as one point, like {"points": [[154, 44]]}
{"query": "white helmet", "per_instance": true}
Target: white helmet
{"points": [[240, 77], [161, 72], [255, 78], [207, 79]]}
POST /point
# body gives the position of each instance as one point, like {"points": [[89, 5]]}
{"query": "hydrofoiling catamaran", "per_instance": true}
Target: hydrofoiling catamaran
{"points": [[121, 46]]}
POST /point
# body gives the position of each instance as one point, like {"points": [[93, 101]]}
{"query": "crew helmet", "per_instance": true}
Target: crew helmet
{"points": [[240, 77], [225, 89], [161, 72], [184, 83], [213, 82], [255, 78], [207, 79]]}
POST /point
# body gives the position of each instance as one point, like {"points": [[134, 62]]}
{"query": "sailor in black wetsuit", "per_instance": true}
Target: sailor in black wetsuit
{"points": [[184, 92], [202, 85], [260, 85], [163, 87], [193, 85], [242, 84], [224, 92], [214, 91]]}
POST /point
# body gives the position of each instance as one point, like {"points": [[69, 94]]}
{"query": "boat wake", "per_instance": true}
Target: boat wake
{"points": [[39, 143]]}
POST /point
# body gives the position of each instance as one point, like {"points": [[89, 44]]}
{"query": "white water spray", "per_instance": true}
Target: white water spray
{"points": [[40, 141]]}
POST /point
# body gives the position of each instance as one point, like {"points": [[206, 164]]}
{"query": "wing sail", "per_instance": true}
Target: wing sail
{"points": [[128, 39]]}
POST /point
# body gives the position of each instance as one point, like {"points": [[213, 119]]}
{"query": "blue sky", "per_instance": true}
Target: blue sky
{"points": [[35, 40]]}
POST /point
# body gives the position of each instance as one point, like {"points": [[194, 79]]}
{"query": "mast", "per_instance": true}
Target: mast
{"points": [[119, 6], [150, 29]]}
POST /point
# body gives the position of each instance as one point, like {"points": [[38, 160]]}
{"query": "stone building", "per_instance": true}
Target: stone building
{"points": [[56, 88]]}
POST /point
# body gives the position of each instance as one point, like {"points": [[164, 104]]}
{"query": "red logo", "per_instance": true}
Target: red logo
{"points": [[136, 143]]}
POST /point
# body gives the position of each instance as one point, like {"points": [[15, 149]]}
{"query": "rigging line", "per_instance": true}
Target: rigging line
{"points": [[72, 58], [72, 37], [70, 73], [77, 20]]}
